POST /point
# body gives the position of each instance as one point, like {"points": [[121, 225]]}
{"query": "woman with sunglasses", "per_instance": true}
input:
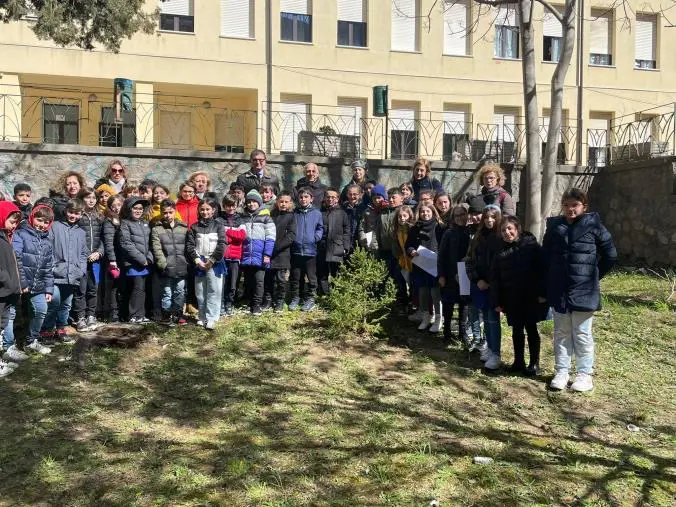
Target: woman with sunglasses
{"points": [[115, 176]]}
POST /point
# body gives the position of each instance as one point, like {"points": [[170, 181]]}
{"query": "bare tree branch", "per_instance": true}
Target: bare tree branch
{"points": [[552, 10]]}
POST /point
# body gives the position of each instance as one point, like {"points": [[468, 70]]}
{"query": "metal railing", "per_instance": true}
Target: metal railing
{"points": [[646, 137]]}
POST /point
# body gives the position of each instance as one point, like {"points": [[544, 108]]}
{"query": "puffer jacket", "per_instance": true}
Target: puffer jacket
{"points": [[368, 225], [168, 246], [111, 239], [69, 243], [10, 281], [478, 263], [576, 257], [309, 231], [354, 215], [92, 224], [235, 235], [425, 183], [260, 237], [285, 235], [515, 281], [135, 239], [385, 229], [205, 240], [188, 210], [336, 238], [34, 257]]}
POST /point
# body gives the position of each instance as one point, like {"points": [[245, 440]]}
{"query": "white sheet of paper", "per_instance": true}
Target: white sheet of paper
{"points": [[426, 260], [463, 279], [369, 238]]}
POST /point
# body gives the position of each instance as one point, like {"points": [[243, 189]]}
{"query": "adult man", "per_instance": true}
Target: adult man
{"points": [[258, 174], [311, 180]]}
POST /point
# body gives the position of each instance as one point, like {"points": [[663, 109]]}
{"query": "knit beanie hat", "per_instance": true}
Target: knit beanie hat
{"points": [[476, 204], [253, 195], [104, 187], [380, 190]]}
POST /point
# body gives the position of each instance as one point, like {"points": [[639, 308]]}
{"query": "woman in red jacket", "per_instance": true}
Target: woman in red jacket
{"points": [[186, 205]]}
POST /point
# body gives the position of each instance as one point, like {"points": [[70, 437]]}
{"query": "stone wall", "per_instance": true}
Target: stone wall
{"points": [[637, 203]]}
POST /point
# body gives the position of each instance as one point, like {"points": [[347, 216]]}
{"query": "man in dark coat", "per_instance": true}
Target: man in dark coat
{"points": [[258, 174], [311, 181]]}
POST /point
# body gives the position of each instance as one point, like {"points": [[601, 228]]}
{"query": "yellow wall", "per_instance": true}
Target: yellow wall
{"points": [[231, 73]]}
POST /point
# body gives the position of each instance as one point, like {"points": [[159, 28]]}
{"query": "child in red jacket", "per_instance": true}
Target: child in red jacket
{"points": [[235, 234]]}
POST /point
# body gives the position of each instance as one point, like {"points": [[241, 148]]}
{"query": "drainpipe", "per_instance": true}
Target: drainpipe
{"points": [[580, 81], [268, 65]]}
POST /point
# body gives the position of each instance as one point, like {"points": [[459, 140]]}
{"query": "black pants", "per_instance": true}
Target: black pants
{"points": [[303, 266], [279, 280], [5, 304], [230, 284], [325, 270], [136, 293], [85, 296], [448, 310], [112, 309], [519, 341], [254, 279], [190, 296]]}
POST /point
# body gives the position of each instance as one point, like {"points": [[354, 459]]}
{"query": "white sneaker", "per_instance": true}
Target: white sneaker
{"points": [[436, 326], [583, 383], [200, 323], [426, 320], [14, 354], [560, 381], [92, 323], [416, 316], [485, 352], [493, 362], [211, 325], [5, 370], [38, 347], [9, 364]]}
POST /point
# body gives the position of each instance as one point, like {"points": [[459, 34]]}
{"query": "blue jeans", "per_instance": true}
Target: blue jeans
{"points": [[474, 318], [59, 308], [492, 329], [38, 312], [209, 292], [172, 292], [573, 336], [8, 333]]}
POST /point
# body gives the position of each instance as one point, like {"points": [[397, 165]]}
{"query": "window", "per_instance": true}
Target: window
{"points": [[505, 123], [644, 43], [455, 27], [552, 35], [351, 111], [296, 20], [114, 133], [403, 132], [175, 130], [597, 141], [352, 23], [600, 30], [60, 123], [177, 16], [295, 118], [237, 18], [456, 133], [404, 25], [506, 33]]}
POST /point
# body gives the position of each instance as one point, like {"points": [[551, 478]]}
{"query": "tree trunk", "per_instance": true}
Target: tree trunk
{"points": [[549, 161], [530, 100]]}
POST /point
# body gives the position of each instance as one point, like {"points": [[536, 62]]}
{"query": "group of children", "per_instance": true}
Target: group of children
{"points": [[147, 254]]}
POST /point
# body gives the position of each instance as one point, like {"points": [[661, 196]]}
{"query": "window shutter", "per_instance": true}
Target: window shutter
{"points": [[455, 27], [236, 18], [175, 130], [176, 7], [454, 122], [505, 124], [404, 24], [402, 119], [295, 6], [506, 16], [644, 48], [599, 36], [599, 135], [294, 120], [551, 27], [351, 10], [351, 112]]}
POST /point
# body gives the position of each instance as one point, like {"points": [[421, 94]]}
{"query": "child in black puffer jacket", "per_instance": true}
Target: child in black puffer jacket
{"points": [[518, 291]]}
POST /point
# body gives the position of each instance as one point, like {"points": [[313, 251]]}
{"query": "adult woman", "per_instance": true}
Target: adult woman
{"points": [[492, 179], [66, 187], [422, 180], [358, 178], [200, 182], [115, 176]]}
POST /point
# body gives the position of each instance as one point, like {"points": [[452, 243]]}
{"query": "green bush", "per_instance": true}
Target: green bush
{"points": [[361, 296]]}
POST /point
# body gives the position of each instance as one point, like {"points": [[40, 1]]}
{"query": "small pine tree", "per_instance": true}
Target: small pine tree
{"points": [[361, 296]]}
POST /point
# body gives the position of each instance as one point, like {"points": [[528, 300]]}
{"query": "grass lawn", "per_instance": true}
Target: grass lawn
{"points": [[268, 412]]}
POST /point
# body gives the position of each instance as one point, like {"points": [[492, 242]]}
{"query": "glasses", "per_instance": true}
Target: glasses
{"points": [[118, 171], [490, 178]]}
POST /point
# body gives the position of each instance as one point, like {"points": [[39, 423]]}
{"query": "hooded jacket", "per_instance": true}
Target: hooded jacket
{"points": [[188, 210], [205, 239], [235, 235], [336, 238], [309, 231], [135, 238], [260, 237], [285, 235], [576, 257], [70, 252], [168, 246], [34, 257], [92, 224], [10, 282]]}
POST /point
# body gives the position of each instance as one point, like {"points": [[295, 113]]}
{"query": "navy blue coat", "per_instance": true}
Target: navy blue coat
{"points": [[576, 257], [354, 215], [35, 258], [309, 231], [425, 183], [70, 252]]}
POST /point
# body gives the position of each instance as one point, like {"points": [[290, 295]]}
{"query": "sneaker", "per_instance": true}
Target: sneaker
{"points": [[9, 364], [199, 323], [171, 321], [583, 383], [230, 310], [485, 353], [14, 354], [516, 368], [63, 337], [211, 325], [267, 304], [144, 320], [426, 320], [256, 311], [493, 363], [92, 323], [279, 307], [436, 326], [532, 370], [81, 326], [560, 381], [5, 370], [308, 305], [48, 338], [294, 304], [36, 346]]}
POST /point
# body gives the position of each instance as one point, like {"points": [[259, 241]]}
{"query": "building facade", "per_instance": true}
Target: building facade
{"points": [[297, 76]]}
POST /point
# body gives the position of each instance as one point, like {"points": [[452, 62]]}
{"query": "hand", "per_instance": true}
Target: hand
{"points": [[202, 265], [413, 254], [266, 259], [24, 291], [442, 281], [542, 300], [113, 263], [94, 256], [48, 298], [482, 285]]}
